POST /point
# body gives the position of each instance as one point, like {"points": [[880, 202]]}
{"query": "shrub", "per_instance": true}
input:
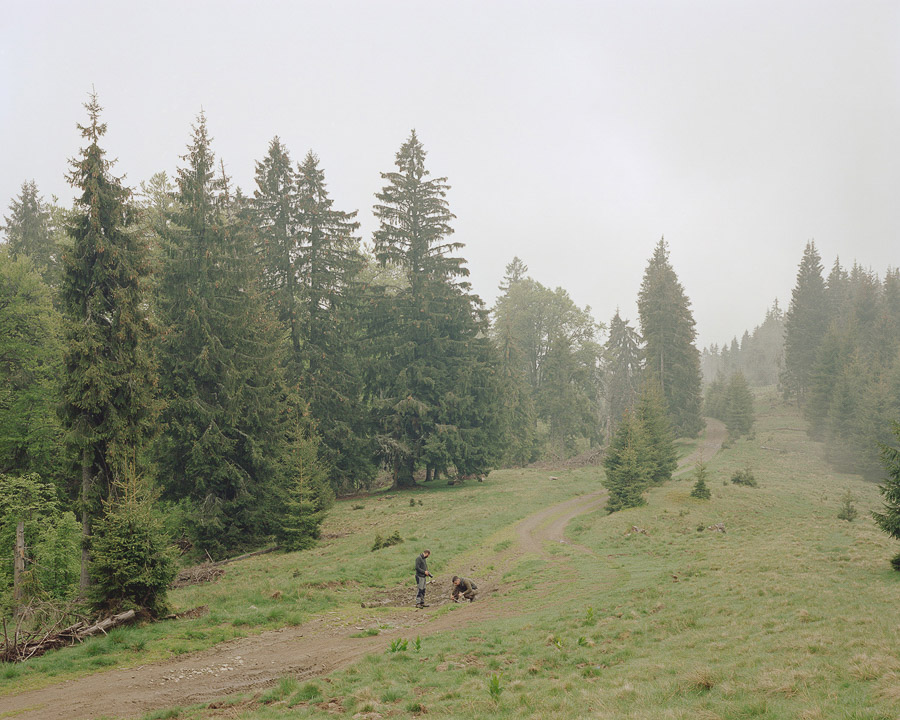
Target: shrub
{"points": [[744, 477], [848, 509], [132, 561], [392, 539]]}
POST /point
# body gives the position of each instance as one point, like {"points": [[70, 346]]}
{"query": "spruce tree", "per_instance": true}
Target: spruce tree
{"points": [[628, 473], [667, 326], [29, 232], [109, 389], [434, 387], [738, 406], [622, 365], [227, 416], [889, 518], [805, 324], [700, 489], [274, 210], [516, 408], [329, 362], [660, 454]]}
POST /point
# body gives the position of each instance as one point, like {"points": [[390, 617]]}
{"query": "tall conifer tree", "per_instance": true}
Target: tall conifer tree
{"points": [[327, 265], [227, 420], [435, 391], [667, 326], [109, 388], [805, 324]]}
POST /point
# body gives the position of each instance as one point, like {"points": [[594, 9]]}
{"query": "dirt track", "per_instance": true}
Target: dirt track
{"points": [[315, 648]]}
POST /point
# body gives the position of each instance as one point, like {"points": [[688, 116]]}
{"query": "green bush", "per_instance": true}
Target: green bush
{"points": [[392, 539], [848, 509], [133, 563], [744, 477]]}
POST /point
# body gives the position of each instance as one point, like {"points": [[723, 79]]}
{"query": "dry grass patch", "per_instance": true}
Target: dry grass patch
{"points": [[700, 680], [871, 667], [889, 687], [787, 683]]}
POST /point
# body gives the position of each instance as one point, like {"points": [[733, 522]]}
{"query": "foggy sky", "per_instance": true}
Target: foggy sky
{"points": [[573, 134]]}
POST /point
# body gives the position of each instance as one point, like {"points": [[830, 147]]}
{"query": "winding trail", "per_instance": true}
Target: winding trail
{"points": [[316, 648]]}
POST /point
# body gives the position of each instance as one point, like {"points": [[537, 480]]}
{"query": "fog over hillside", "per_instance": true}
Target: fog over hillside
{"points": [[573, 134]]}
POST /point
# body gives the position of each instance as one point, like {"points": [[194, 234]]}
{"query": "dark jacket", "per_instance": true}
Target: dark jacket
{"points": [[465, 585], [421, 566]]}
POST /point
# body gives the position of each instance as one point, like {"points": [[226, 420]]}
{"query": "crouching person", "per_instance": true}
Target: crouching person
{"points": [[464, 587]]}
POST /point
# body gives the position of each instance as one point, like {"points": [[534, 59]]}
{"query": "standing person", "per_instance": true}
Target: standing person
{"points": [[421, 574], [464, 587]]}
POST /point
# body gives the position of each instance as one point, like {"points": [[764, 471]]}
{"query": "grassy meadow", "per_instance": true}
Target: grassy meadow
{"points": [[790, 613]]}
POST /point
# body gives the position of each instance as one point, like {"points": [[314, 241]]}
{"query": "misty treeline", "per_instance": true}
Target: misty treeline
{"points": [[836, 352], [191, 361], [842, 359]]}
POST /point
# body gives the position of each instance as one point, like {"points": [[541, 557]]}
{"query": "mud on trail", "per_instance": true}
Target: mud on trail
{"points": [[315, 648]]}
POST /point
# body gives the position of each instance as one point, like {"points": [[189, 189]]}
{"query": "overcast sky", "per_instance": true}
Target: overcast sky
{"points": [[573, 134]]}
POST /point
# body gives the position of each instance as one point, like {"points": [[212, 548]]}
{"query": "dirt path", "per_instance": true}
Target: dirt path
{"points": [[709, 444], [316, 648]]}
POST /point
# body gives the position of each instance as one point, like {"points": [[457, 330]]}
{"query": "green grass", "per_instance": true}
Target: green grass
{"points": [[791, 613], [276, 590]]}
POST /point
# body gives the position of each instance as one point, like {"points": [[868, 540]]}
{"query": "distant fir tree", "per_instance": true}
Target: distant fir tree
{"points": [[560, 357], [275, 214], [516, 406], [889, 518], [109, 390], [30, 358], [738, 415], [518, 415], [805, 324], [29, 232], [623, 359], [667, 326], [516, 270], [628, 473], [330, 360], [434, 385], [715, 402], [660, 454], [227, 421]]}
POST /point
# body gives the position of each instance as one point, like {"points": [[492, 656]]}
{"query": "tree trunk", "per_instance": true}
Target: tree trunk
{"points": [[19, 562], [403, 478], [85, 580]]}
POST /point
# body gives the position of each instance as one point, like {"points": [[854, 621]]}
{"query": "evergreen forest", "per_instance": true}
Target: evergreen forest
{"points": [[196, 368]]}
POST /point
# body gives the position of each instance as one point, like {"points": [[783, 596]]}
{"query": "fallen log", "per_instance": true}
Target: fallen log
{"points": [[107, 624], [33, 645]]}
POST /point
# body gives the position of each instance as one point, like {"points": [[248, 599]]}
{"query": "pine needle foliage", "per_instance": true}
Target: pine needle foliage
{"points": [[668, 329], [889, 517], [229, 416], [628, 473], [700, 489], [434, 380], [660, 453], [110, 405]]}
